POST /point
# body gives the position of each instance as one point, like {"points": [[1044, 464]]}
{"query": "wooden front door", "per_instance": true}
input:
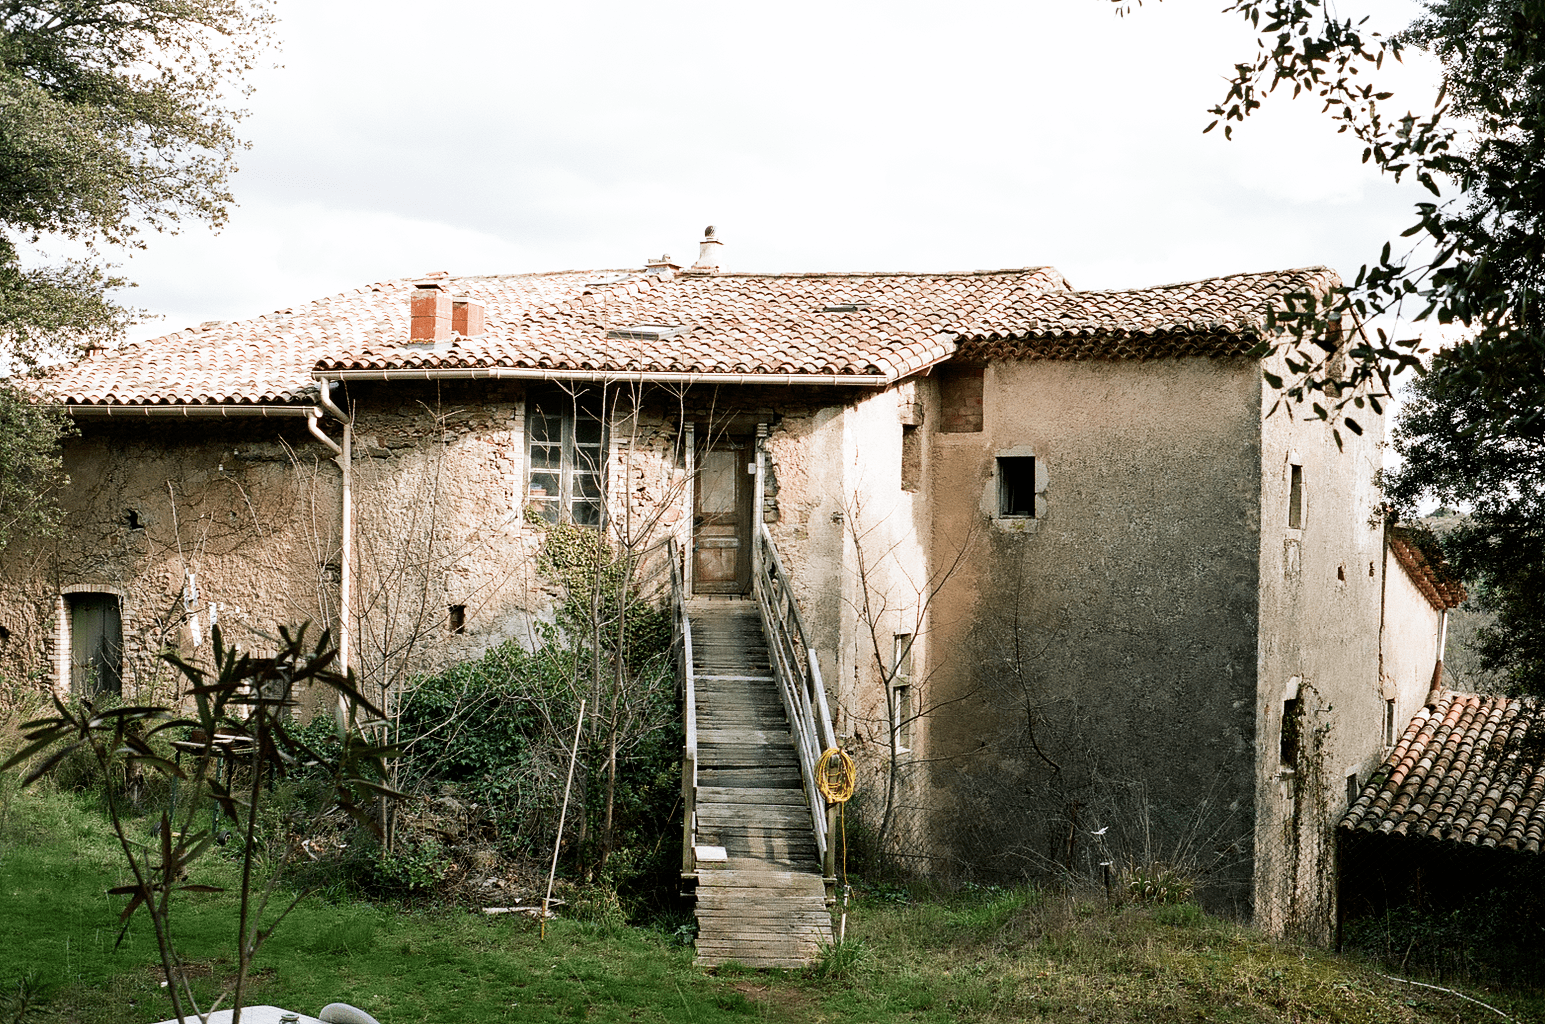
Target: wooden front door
{"points": [[96, 644], [721, 523]]}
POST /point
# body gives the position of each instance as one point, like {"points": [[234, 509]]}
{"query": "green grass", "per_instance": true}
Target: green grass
{"points": [[985, 955]]}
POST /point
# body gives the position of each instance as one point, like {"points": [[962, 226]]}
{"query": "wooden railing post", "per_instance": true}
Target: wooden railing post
{"points": [[681, 641], [829, 862]]}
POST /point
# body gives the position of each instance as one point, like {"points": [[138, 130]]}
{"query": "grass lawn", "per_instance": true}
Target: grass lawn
{"points": [[987, 955]]}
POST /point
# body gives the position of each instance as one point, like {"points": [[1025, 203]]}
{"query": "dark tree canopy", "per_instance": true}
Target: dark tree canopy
{"points": [[116, 119], [1474, 432], [1483, 448]]}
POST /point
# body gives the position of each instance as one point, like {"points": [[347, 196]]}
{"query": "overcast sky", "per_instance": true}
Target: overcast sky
{"points": [[399, 138]]}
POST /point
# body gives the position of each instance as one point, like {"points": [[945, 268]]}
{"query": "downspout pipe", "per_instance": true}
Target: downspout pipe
{"points": [[1437, 669], [345, 460]]}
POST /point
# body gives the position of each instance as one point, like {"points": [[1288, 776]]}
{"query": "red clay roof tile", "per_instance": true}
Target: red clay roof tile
{"points": [[1428, 572], [1461, 773], [1220, 316], [753, 324]]}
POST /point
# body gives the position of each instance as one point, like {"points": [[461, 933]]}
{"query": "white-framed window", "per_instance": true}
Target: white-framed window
{"points": [[1014, 498], [566, 457]]}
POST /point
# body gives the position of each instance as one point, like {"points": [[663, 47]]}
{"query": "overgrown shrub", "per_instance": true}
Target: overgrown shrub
{"points": [[122, 777], [485, 756], [1496, 938], [1157, 883], [416, 865], [485, 733]]}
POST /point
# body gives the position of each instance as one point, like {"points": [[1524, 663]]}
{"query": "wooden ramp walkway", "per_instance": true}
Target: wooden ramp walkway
{"points": [[765, 905]]}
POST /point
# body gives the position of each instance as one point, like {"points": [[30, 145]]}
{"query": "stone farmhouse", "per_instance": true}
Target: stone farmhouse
{"points": [[1076, 598]]}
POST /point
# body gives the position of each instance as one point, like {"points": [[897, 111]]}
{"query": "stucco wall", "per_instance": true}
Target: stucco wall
{"points": [[1409, 645], [438, 488], [1102, 656], [1321, 587], [177, 518]]}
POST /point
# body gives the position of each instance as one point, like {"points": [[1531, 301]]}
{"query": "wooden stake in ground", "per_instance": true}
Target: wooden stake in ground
{"points": [[562, 813]]}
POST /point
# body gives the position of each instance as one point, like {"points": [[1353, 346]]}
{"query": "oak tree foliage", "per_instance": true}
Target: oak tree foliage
{"points": [[1474, 256], [118, 120]]}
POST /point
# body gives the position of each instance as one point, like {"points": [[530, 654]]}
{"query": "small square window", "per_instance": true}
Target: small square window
{"points": [[1016, 487]]}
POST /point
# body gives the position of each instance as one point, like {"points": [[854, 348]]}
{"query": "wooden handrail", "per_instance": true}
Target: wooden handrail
{"points": [[681, 647], [799, 680]]}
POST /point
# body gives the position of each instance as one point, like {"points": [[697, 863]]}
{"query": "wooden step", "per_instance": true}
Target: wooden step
{"points": [[764, 905]]}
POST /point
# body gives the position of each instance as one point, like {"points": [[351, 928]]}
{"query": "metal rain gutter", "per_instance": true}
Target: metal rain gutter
{"points": [[192, 410], [604, 376]]}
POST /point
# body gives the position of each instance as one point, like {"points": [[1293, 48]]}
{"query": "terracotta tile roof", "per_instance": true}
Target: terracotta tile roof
{"points": [[869, 328], [269, 359], [1220, 316], [1458, 775], [867, 325], [1430, 574]]}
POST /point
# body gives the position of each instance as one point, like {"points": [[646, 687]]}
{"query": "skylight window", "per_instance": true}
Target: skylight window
{"points": [[845, 307], [647, 332], [602, 282]]}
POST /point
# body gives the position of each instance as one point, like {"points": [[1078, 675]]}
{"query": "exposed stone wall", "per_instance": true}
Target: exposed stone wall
{"points": [[1100, 654], [177, 519], [250, 511], [438, 484]]}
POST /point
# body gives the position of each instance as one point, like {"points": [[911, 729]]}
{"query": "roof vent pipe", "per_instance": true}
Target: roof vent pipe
{"points": [[707, 252]]}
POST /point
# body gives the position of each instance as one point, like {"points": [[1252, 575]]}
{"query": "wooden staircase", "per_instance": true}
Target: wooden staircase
{"points": [[764, 905]]}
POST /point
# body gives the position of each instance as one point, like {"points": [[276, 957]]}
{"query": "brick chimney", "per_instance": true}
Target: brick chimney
{"points": [[431, 313], [707, 253], [467, 317], [662, 267]]}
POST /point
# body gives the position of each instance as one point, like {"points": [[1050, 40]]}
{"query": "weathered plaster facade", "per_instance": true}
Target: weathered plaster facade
{"points": [[1066, 576], [175, 519], [1321, 585], [1114, 633]]}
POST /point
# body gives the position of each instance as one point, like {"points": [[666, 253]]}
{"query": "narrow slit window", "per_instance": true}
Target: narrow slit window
{"points": [[1296, 499], [1352, 789], [911, 458], [458, 617], [1016, 487], [1389, 723], [901, 692], [1289, 740]]}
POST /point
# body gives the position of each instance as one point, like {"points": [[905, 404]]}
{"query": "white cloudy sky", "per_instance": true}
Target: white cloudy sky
{"points": [[399, 138]]}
